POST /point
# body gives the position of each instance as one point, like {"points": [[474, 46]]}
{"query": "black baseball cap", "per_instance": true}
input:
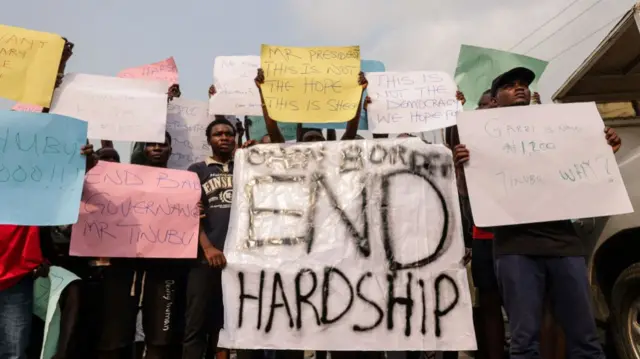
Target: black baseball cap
{"points": [[518, 73]]}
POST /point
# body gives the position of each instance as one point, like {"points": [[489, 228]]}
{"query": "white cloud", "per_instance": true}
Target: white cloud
{"points": [[420, 35]]}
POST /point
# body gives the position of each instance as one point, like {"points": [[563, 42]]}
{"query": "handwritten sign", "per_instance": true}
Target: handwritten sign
{"points": [[46, 295], [478, 66], [137, 211], [318, 84], [40, 163], [23, 107], [116, 109], [333, 245], [165, 70], [29, 62], [236, 91], [417, 101], [540, 163], [187, 122]]}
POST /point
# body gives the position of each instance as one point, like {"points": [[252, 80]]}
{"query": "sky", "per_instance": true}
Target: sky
{"points": [[112, 35]]}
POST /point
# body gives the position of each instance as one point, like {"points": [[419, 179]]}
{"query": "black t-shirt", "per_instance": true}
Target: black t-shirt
{"points": [[217, 191], [558, 238]]}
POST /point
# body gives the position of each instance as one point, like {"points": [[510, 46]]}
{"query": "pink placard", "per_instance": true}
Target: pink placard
{"points": [[137, 211], [163, 70], [24, 107]]}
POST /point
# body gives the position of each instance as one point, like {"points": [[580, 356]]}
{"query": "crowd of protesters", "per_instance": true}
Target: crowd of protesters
{"points": [[179, 302]]}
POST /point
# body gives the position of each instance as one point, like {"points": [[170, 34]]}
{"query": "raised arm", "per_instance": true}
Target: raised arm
{"points": [[352, 126], [272, 126]]}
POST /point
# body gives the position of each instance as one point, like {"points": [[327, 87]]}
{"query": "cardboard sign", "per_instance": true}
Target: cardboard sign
{"points": [[540, 163], [417, 101], [332, 246], [479, 66], [41, 163], [165, 70], [46, 295], [116, 109], [29, 62], [236, 91], [23, 107], [137, 211], [317, 84], [187, 122]]}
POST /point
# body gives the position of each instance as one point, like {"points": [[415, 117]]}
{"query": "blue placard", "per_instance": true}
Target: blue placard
{"points": [[365, 66], [41, 168]]}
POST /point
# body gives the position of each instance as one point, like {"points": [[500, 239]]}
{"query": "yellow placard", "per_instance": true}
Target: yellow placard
{"points": [[29, 62], [315, 84]]}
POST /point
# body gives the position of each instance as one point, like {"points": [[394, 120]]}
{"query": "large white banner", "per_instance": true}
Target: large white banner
{"points": [[540, 163], [187, 121], [236, 91], [346, 245], [116, 109], [417, 101]]}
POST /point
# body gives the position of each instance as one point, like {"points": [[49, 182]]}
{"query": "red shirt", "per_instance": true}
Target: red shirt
{"points": [[479, 233], [20, 253]]}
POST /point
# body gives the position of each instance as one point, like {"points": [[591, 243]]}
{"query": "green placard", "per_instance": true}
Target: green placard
{"points": [[478, 66], [259, 128]]}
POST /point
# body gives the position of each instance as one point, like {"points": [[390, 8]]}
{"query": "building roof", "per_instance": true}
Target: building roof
{"points": [[612, 72]]}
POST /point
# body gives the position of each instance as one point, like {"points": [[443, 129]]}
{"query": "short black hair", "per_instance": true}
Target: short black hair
{"points": [[167, 136], [486, 93], [219, 120]]}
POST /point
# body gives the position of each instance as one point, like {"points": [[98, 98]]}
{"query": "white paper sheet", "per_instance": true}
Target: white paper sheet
{"points": [[116, 109], [236, 91], [416, 101], [187, 122], [347, 228], [540, 163]]}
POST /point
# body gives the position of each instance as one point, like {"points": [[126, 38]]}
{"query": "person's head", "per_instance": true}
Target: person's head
{"points": [[265, 139], [312, 136], [512, 87], [221, 135], [108, 154], [157, 154], [405, 135], [486, 101]]}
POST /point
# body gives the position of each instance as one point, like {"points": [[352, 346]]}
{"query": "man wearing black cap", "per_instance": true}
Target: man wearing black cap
{"points": [[528, 257]]}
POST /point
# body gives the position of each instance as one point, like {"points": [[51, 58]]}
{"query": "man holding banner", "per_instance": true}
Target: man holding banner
{"points": [[527, 256]]}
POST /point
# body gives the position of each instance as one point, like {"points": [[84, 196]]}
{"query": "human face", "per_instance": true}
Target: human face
{"points": [[486, 102], [313, 136], [108, 155], [222, 139], [513, 93], [265, 139], [157, 153]]}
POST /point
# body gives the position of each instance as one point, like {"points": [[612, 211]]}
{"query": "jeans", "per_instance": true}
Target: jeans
{"points": [[16, 306], [524, 281]]}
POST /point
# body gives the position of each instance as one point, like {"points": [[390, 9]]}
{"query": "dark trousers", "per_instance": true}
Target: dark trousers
{"points": [[524, 280], [16, 305], [204, 313]]}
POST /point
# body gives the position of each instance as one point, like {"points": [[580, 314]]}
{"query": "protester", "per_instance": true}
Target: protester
{"points": [[204, 311], [153, 284], [528, 256], [21, 261]]}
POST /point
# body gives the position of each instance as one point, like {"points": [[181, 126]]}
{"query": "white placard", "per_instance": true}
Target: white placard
{"points": [[116, 109], [327, 242], [540, 163], [416, 101], [187, 122], [236, 91]]}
